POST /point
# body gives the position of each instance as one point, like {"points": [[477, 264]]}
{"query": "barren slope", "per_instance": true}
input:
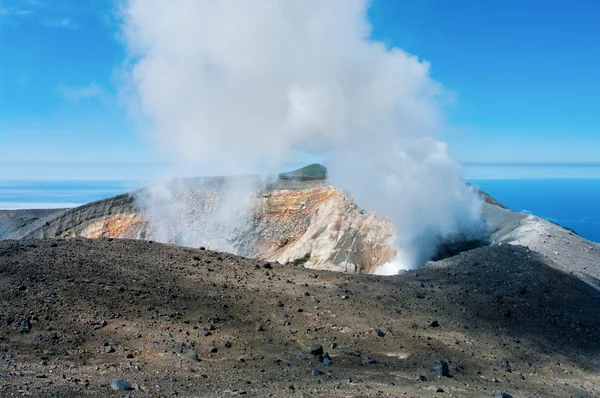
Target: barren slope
{"points": [[76, 314]]}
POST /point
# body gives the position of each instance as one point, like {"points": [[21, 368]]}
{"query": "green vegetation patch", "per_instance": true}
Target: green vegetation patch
{"points": [[311, 172]]}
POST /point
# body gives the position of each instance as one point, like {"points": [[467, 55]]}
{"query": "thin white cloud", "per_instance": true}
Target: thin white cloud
{"points": [[66, 23], [23, 12], [78, 93]]}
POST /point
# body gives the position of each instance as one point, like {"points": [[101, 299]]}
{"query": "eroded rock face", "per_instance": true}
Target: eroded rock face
{"points": [[322, 228], [304, 223]]}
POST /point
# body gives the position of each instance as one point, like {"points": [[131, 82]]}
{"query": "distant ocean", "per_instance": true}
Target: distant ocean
{"points": [[59, 194], [573, 203]]}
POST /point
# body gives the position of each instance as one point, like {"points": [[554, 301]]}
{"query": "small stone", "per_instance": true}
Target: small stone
{"points": [[22, 288], [226, 343], [283, 315], [441, 370], [353, 353], [120, 385], [327, 360], [202, 248], [333, 346], [267, 265], [259, 327], [306, 294], [434, 324], [316, 372], [439, 389], [418, 294], [369, 361], [191, 354], [109, 349], [130, 356], [177, 348], [25, 326], [212, 350], [502, 394], [316, 349], [205, 332], [380, 332]]}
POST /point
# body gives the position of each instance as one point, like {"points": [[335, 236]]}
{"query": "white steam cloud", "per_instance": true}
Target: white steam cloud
{"points": [[236, 86]]}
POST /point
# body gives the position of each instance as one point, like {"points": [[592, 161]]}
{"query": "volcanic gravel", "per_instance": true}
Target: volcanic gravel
{"points": [[106, 317]]}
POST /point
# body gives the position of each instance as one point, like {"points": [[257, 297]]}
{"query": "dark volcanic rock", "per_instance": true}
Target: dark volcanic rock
{"points": [[316, 349], [120, 385], [441, 370]]}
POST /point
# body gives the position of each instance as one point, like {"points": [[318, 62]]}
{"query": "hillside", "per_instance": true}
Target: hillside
{"points": [[77, 314]]}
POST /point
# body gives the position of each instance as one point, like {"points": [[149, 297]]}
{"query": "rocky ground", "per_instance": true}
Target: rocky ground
{"points": [[85, 317]]}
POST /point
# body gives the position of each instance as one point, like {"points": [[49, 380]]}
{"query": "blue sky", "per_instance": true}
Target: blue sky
{"points": [[525, 75]]}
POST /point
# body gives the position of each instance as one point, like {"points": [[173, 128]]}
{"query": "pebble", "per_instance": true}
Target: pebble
{"points": [[441, 370], [120, 385], [316, 349], [316, 372], [25, 326], [434, 324], [259, 327], [191, 354], [327, 360], [177, 348], [380, 332], [502, 394], [369, 361]]}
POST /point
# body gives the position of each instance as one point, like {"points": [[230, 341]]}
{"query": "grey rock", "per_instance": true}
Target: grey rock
{"points": [[502, 394], [316, 372], [226, 343], [316, 349], [25, 326], [380, 332], [191, 354], [120, 385], [177, 348], [441, 370]]}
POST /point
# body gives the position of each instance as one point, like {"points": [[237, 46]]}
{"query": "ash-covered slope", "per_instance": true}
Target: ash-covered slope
{"points": [[77, 314], [14, 224]]}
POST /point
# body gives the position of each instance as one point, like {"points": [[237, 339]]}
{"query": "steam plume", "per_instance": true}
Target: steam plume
{"points": [[235, 86]]}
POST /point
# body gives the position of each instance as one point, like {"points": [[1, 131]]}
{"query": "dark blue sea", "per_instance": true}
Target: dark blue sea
{"points": [[573, 203]]}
